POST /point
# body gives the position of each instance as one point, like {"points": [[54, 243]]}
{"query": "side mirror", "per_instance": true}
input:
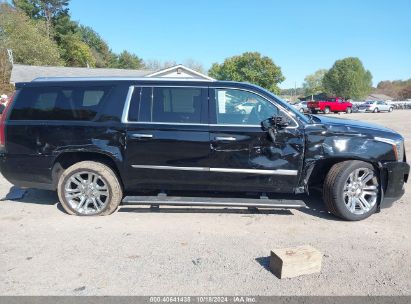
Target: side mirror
{"points": [[275, 122]]}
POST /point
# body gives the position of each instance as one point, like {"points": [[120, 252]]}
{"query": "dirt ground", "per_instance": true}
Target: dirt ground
{"points": [[201, 251]]}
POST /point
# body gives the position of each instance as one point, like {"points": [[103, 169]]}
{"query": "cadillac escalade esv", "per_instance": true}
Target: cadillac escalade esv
{"points": [[102, 141]]}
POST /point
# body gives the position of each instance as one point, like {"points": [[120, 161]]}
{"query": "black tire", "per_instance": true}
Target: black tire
{"points": [[349, 110], [375, 110], [327, 110], [302, 110], [391, 109], [106, 173], [333, 189]]}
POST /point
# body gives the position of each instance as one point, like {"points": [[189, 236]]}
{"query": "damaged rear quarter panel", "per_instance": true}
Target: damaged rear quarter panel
{"points": [[44, 143]]}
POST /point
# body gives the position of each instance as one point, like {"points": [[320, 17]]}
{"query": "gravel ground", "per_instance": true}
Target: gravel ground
{"points": [[192, 251]]}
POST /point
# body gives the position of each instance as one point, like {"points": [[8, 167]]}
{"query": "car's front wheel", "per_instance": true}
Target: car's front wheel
{"points": [[351, 190], [89, 188], [349, 110], [327, 110]]}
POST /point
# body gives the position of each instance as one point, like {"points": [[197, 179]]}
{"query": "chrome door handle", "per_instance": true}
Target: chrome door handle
{"points": [[223, 138], [138, 135]]}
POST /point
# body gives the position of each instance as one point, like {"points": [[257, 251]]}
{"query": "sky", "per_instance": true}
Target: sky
{"points": [[300, 36]]}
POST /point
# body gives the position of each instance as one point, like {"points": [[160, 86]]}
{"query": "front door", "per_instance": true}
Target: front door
{"points": [[243, 156], [167, 138]]}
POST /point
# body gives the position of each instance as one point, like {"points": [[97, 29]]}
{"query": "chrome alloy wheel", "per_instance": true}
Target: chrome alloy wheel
{"points": [[86, 192], [361, 191]]}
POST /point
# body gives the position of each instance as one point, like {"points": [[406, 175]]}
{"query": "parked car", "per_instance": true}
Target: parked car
{"points": [[246, 107], [301, 106], [375, 106], [102, 141], [333, 104]]}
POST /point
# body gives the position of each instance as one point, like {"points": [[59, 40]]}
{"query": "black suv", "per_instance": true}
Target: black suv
{"points": [[103, 141]]}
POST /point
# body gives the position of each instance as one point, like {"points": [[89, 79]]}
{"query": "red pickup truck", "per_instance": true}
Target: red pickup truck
{"points": [[332, 104]]}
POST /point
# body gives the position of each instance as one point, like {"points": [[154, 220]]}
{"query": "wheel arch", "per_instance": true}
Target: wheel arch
{"points": [[320, 168], [317, 172], [69, 158]]}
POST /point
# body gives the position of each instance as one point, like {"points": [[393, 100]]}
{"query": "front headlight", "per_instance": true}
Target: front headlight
{"points": [[400, 150], [397, 146]]}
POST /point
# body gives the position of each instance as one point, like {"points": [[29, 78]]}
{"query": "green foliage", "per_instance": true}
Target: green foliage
{"points": [[313, 83], [75, 52], [27, 39], [128, 60], [99, 48], [348, 78], [249, 67], [46, 10], [30, 7]]}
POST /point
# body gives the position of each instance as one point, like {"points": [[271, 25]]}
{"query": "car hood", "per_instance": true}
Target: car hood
{"points": [[356, 126]]}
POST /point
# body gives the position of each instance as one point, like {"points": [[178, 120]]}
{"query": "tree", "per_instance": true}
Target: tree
{"points": [[26, 38], [348, 78], [313, 83], [405, 93], [128, 60], [48, 10], [249, 67], [30, 7], [98, 46], [76, 53]]}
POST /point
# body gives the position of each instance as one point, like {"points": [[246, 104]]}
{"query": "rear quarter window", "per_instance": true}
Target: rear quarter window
{"points": [[59, 103]]}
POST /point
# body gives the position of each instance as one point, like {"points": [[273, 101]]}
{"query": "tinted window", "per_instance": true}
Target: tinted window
{"points": [[231, 109], [176, 105], [59, 103]]}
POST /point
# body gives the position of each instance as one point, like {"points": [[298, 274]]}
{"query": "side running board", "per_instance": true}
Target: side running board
{"points": [[213, 201]]}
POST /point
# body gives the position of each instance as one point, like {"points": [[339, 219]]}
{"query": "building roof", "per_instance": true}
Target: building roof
{"points": [[378, 97], [179, 71], [27, 73]]}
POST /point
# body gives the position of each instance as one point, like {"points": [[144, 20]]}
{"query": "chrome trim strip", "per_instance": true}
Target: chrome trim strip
{"points": [[171, 168], [223, 138], [385, 140], [124, 117], [141, 135], [222, 170], [256, 171]]}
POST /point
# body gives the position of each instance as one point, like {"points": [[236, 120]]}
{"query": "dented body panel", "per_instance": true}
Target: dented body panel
{"points": [[202, 156]]}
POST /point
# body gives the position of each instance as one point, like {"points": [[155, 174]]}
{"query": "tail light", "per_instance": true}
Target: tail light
{"points": [[3, 124]]}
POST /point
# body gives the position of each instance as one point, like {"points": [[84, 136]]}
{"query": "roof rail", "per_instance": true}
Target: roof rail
{"points": [[105, 78]]}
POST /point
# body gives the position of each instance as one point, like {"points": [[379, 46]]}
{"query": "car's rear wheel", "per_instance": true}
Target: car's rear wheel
{"points": [[327, 110], [390, 109], [351, 190], [89, 188]]}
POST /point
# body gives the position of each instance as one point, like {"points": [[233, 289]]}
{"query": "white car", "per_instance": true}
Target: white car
{"points": [[301, 106], [375, 107], [246, 107]]}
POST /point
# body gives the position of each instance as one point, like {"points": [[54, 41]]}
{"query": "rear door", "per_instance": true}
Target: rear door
{"points": [[167, 138], [243, 156]]}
